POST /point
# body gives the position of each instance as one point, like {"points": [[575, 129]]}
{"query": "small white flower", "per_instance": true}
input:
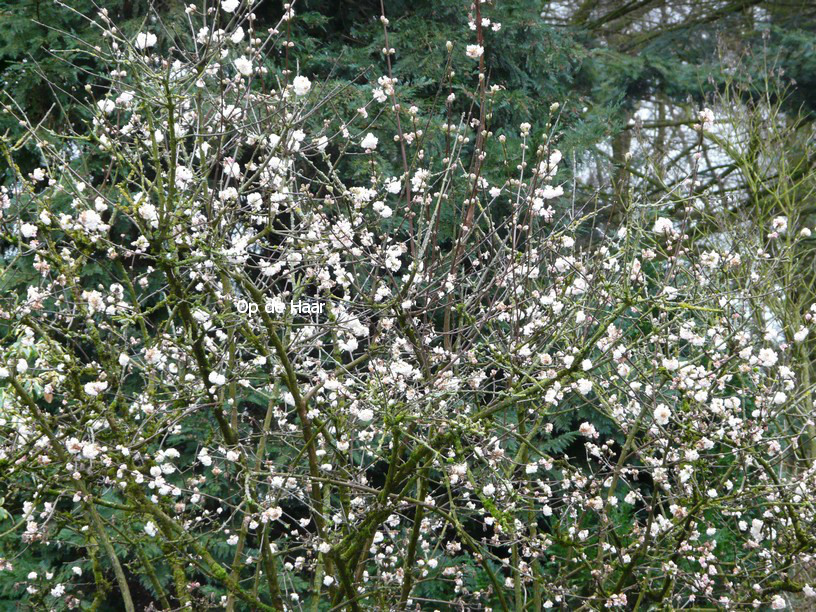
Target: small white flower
{"points": [[671, 364], [271, 514], [800, 335], [216, 378], [383, 210], [349, 345], [232, 168], [106, 106], [229, 6], [663, 226], [243, 66], [125, 98], [301, 85], [90, 450], [238, 35], [204, 457], [369, 142], [549, 192], [588, 430], [365, 415], [183, 176], [150, 528], [584, 386], [95, 388], [73, 446], [474, 51], [767, 357], [28, 230], [328, 580], [662, 414], [393, 186], [149, 213], [706, 117], [145, 40], [90, 220]]}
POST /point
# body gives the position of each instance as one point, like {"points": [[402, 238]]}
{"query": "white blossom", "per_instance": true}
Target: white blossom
{"points": [[369, 142], [663, 226], [217, 378], [28, 230], [145, 40], [474, 51], [662, 414], [301, 85], [584, 386], [243, 65], [96, 387], [365, 415], [106, 106]]}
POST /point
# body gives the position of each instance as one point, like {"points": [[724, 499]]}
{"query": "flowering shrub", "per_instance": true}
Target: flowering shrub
{"points": [[245, 368]]}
